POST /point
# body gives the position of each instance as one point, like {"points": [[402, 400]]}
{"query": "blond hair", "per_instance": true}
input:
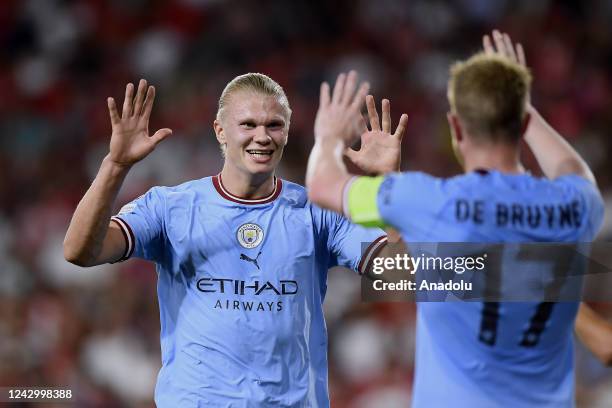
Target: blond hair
{"points": [[489, 94], [254, 82]]}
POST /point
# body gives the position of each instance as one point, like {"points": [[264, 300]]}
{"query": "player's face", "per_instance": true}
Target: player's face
{"points": [[254, 129]]}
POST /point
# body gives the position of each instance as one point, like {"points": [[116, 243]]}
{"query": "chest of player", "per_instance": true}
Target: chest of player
{"points": [[246, 245]]}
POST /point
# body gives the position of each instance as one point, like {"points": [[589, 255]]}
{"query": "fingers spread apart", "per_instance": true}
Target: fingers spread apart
{"points": [[344, 91], [375, 123], [503, 46]]}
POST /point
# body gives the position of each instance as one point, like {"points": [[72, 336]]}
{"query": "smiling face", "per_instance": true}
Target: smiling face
{"points": [[253, 128]]}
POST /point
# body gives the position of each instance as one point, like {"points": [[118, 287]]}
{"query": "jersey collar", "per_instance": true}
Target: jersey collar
{"points": [[223, 192]]}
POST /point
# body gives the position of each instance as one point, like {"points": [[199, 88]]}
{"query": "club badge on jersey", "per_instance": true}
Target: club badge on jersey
{"points": [[249, 235]]}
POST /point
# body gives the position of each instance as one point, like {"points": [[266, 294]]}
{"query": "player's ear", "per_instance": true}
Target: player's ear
{"points": [[288, 123], [219, 131], [455, 126], [526, 121]]}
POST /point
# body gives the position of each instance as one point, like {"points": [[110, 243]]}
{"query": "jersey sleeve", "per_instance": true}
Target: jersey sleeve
{"points": [[142, 224], [593, 214], [404, 201], [351, 245]]}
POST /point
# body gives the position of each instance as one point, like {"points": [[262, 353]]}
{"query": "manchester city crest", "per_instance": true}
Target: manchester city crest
{"points": [[250, 235]]}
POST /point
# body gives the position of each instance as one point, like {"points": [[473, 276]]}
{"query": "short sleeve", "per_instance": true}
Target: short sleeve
{"points": [[593, 214], [142, 224], [352, 245]]}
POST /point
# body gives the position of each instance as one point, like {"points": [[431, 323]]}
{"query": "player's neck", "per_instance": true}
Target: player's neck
{"points": [[245, 185], [504, 159]]}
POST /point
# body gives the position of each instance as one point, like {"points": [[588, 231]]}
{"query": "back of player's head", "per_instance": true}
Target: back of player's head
{"points": [[489, 94], [257, 83]]}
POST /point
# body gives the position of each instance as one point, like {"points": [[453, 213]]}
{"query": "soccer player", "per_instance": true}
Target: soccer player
{"points": [[477, 354], [242, 257]]}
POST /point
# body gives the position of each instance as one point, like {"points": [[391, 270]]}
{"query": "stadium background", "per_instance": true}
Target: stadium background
{"points": [[96, 330]]}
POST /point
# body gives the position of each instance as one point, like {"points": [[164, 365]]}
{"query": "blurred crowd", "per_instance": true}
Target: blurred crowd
{"points": [[96, 330]]}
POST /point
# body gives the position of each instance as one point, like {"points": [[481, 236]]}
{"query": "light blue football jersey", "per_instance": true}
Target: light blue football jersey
{"points": [[456, 365], [241, 285]]}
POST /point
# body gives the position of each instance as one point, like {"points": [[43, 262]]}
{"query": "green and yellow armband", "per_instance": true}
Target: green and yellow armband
{"points": [[361, 204]]}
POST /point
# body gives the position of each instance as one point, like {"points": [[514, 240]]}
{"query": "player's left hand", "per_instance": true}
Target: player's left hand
{"points": [[501, 44], [381, 150]]}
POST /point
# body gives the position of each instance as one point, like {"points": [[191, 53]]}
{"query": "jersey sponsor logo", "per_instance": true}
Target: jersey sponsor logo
{"points": [[241, 287], [249, 306], [247, 258], [237, 287], [249, 235]]}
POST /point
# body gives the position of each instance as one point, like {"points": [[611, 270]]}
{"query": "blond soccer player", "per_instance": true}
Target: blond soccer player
{"points": [[242, 256], [476, 354]]}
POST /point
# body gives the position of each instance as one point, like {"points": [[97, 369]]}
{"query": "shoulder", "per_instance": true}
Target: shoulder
{"points": [[412, 180], [573, 182], [294, 194], [563, 188], [415, 188], [578, 188], [295, 197], [188, 186], [174, 196], [191, 187]]}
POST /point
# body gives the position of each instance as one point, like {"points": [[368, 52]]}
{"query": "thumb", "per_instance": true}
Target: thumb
{"points": [[160, 135]]}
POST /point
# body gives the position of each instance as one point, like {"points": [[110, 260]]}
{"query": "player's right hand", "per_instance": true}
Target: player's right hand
{"points": [[130, 139]]}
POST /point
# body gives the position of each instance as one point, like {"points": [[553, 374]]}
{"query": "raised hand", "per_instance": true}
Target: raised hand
{"points": [[501, 45], [504, 47], [130, 140], [380, 151], [339, 117]]}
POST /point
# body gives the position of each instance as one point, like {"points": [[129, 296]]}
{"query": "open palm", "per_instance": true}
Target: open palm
{"points": [[501, 44], [380, 150], [130, 140]]}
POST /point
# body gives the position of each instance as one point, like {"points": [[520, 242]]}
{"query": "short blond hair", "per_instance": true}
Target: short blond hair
{"points": [[489, 94], [255, 82]]}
